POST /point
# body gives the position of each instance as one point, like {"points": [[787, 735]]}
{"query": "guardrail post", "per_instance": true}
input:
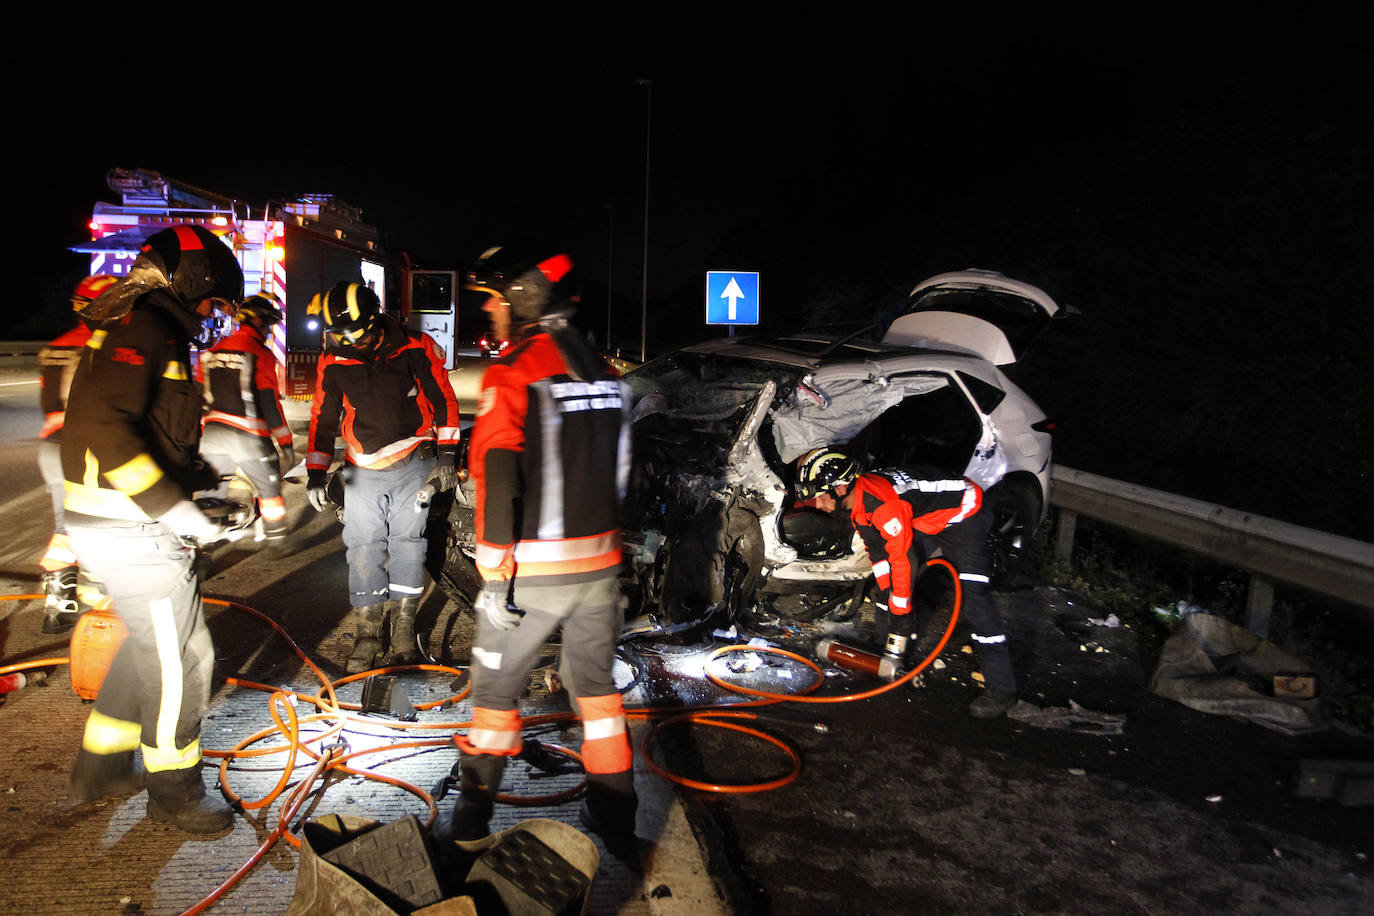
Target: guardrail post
{"points": [[1259, 605], [1063, 539]]}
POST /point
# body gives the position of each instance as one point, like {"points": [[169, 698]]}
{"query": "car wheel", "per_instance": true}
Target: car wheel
{"points": [[1013, 512]]}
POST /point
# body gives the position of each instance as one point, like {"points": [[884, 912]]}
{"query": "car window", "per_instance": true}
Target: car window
{"points": [[937, 429]]}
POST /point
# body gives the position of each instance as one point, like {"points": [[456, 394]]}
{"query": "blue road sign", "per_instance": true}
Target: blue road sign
{"points": [[732, 297]]}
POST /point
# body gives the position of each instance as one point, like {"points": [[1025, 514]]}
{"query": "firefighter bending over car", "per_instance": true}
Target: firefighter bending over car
{"points": [[130, 461], [244, 426], [385, 390], [902, 517], [56, 365], [550, 458]]}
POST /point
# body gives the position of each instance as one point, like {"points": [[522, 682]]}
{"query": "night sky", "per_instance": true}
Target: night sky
{"points": [[1199, 186]]}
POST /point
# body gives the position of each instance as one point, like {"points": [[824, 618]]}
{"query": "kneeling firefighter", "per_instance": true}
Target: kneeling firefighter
{"points": [[903, 515], [550, 458], [131, 464], [385, 390]]}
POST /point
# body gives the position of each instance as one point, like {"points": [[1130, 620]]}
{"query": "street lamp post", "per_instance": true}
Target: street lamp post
{"points": [[610, 266], [644, 288]]}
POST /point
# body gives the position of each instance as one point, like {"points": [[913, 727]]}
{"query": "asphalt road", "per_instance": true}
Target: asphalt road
{"points": [[903, 803]]}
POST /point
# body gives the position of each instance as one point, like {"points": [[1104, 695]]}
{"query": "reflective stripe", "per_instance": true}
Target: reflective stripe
{"points": [[273, 508], [59, 554], [1001, 637], [158, 760], [406, 589], [168, 648], [606, 742], [900, 605], [973, 577], [52, 423], [486, 658], [178, 372], [107, 735], [386, 456], [882, 568], [135, 476], [91, 500], [318, 461], [492, 557], [253, 425], [548, 551], [97, 339], [493, 731], [448, 435]]}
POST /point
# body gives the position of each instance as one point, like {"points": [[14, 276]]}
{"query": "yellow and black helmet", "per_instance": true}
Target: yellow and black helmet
{"points": [[823, 470], [350, 310]]}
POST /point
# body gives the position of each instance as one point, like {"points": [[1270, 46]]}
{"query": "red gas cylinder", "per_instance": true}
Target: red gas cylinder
{"points": [[98, 635]]}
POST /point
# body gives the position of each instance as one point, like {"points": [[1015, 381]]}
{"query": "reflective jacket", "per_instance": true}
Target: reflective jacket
{"points": [[132, 432], [550, 456], [56, 366], [239, 376], [385, 402], [891, 506]]}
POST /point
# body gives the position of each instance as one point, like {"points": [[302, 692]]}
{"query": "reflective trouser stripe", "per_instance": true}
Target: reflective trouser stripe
{"points": [[273, 508], [971, 577], [59, 554], [166, 755], [606, 741], [988, 640], [108, 735], [493, 731]]}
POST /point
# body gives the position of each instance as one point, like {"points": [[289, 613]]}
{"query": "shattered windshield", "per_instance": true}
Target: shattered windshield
{"points": [[701, 387]]}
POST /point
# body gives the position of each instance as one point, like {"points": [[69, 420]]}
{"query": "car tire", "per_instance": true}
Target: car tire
{"points": [[1014, 514]]}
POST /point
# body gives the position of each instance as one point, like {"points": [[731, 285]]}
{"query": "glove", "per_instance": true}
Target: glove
{"points": [[491, 603], [317, 489], [447, 470], [187, 521], [288, 455]]}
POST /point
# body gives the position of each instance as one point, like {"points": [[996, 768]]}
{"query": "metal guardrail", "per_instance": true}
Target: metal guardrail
{"points": [[1271, 551]]}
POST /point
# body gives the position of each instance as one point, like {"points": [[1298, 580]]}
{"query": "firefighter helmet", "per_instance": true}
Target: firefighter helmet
{"points": [[822, 471], [532, 278], [265, 307], [89, 289], [350, 310], [196, 264]]}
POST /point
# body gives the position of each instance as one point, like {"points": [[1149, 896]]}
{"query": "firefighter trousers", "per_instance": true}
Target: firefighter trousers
{"points": [[502, 660], [384, 531], [227, 449], [159, 682], [966, 546]]}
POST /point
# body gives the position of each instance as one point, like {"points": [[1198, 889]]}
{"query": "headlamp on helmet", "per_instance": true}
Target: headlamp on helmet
{"points": [[822, 471]]}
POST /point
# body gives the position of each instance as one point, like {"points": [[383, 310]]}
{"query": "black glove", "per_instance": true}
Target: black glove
{"points": [[317, 488], [491, 602], [448, 470]]}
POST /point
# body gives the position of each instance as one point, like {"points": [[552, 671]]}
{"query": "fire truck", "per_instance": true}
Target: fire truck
{"points": [[293, 249]]}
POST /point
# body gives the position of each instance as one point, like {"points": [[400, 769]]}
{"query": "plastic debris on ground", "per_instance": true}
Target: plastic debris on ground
{"points": [[1073, 718]]}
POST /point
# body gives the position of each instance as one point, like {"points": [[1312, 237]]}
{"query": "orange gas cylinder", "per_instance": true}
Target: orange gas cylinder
{"points": [[98, 635]]}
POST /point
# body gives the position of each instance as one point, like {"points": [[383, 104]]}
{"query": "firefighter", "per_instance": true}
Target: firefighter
{"points": [[244, 426], [385, 390], [131, 465], [902, 517], [56, 364], [550, 459]]}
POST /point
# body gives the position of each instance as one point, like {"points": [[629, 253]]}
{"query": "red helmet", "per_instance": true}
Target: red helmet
{"points": [[89, 289]]}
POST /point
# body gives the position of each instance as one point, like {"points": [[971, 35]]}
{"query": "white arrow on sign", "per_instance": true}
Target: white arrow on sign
{"points": [[734, 294]]}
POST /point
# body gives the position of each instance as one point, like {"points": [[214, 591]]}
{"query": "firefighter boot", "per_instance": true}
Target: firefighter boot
{"points": [[609, 812], [97, 776], [177, 797], [367, 637], [60, 607], [481, 780], [405, 650]]}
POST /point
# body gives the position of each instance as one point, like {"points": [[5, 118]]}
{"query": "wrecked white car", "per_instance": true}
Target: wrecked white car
{"points": [[710, 524], [719, 426]]}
